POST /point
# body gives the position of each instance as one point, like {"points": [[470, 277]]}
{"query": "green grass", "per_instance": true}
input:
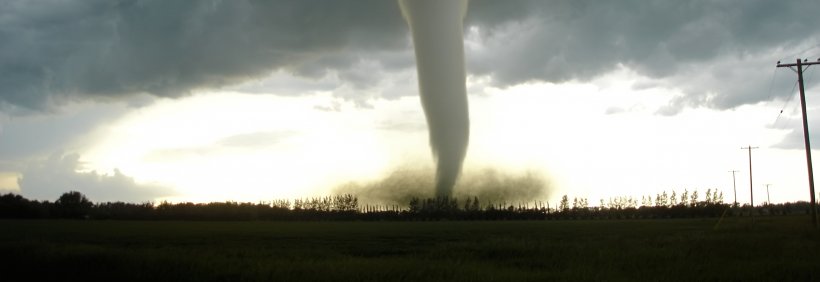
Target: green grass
{"points": [[776, 248]]}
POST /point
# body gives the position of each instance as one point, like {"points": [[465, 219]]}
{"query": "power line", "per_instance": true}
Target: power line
{"points": [[800, 52], [792, 94], [809, 75], [771, 84], [786, 103]]}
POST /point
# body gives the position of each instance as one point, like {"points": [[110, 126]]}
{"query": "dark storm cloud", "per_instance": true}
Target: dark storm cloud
{"points": [[53, 51], [584, 38], [718, 53]]}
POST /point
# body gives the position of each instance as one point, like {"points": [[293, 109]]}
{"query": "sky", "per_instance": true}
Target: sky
{"points": [[258, 100]]}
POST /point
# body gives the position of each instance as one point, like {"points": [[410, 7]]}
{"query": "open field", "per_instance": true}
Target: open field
{"points": [[776, 248]]}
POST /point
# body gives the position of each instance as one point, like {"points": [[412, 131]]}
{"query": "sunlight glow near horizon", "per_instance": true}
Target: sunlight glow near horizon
{"points": [[248, 147]]}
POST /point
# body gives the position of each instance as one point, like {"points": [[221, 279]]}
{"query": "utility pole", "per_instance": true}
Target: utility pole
{"points": [[751, 191], [799, 71], [768, 197], [734, 185]]}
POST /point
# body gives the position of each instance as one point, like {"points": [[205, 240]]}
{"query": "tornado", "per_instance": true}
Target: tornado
{"points": [[436, 27]]}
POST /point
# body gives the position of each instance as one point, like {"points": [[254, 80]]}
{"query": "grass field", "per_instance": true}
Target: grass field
{"points": [[775, 248]]}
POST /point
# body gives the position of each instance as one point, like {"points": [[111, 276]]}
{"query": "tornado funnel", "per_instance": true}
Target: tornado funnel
{"points": [[436, 26]]}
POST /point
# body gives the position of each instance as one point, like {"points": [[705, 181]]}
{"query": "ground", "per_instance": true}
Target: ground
{"points": [[774, 248]]}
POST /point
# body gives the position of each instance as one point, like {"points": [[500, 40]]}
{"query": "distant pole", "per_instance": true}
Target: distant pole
{"points": [[751, 191], [799, 71], [768, 197], [734, 185]]}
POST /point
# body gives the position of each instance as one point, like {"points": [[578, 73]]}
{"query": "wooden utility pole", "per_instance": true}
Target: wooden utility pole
{"points": [[751, 191], [734, 185], [768, 196], [799, 71]]}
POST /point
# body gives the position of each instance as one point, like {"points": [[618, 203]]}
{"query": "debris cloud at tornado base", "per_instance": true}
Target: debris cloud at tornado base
{"points": [[490, 185]]}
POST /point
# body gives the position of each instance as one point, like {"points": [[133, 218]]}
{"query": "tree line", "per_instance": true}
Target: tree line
{"points": [[75, 205]]}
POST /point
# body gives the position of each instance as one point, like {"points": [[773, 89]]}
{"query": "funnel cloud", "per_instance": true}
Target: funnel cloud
{"points": [[436, 27]]}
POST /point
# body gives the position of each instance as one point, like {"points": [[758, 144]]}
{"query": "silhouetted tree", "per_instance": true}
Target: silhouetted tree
{"points": [[709, 196], [415, 205], [694, 199], [472, 204], [280, 204], [15, 206], [476, 205], [665, 200], [73, 204], [121, 210], [646, 201], [345, 207], [673, 199], [564, 204]]}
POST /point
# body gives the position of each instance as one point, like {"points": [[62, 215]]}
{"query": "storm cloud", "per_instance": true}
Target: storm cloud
{"points": [[47, 179], [718, 53], [56, 51]]}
